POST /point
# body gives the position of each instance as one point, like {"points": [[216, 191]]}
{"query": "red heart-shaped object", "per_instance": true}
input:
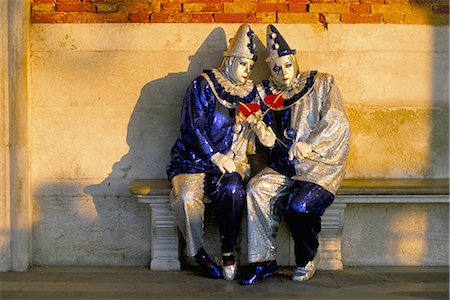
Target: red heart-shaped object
{"points": [[248, 109], [274, 101]]}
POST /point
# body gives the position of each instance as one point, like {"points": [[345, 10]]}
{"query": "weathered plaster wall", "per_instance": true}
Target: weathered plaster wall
{"points": [[396, 234], [105, 103]]}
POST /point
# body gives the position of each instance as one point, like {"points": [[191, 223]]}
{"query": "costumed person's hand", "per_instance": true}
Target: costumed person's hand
{"points": [[265, 134], [299, 150], [223, 162], [252, 120]]}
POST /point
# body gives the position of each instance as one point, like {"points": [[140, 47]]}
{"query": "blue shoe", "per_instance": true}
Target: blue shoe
{"points": [[260, 271], [207, 267]]}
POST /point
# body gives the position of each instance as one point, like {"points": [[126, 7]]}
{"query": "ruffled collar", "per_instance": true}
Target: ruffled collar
{"points": [[301, 85], [290, 91], [227, 93], [231, 88]]}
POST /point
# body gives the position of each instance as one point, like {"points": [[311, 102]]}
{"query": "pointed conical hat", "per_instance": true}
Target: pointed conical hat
{"points": [[242, 44], [276, 44]]}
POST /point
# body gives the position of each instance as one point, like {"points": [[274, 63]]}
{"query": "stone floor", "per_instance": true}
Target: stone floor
{"points": [[139, 283]]}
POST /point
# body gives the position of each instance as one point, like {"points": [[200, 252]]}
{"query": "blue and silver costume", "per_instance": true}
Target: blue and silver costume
{"points": [[300, 190], [210, 124]]}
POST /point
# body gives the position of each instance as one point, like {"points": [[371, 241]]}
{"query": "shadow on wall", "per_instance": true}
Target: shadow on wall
{"points": [[151, 133], [154, 123], [415, 232], [152, 130], [439, 139], [71, 229], [439, 116]]}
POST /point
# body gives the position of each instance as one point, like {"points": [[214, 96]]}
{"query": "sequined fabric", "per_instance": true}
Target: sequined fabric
{"points": [[207, 127], [266, 194], [186, 199], [210, 123], [270, 196], [301, 190], [319, 119], [228, 197]]}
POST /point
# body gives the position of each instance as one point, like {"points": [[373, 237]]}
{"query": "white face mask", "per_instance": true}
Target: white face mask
{"points": [[241, 69], [284, 70]]}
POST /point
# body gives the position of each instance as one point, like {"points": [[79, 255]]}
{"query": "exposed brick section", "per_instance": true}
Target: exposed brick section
{"points": [[266, 17], [205, 1], [360, 8], [43, 7], [47, 17], [170, 18], [326, 18], [435, 12], [75, 7], [234, 18], [298, 18], [426, 19], [372, 1], [43, 1], [107, 7], [321, 1], [240, 8], [159, 17], [300, 7], [75, 17], [140, 7], [346, 1], [171, 7], [271, 7], [397, 1], [341, 8], [394, 18], [141, 16], [362, 18], [203, 7], [391, 8], [202, 18], [107, 18], [278, 1]]}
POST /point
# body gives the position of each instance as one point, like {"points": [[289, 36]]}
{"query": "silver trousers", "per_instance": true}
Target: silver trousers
{"points": [[265, 194], [186, 199]]}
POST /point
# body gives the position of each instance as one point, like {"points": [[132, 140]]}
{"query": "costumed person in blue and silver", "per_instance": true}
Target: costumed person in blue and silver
{"points": [[305, 167], [210, 154]]}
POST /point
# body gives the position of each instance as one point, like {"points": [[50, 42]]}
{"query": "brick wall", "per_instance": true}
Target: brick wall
{"points": [[434, 12]]}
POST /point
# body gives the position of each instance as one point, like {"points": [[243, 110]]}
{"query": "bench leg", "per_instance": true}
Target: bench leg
{"points": [[330, 249], [164, 236]]}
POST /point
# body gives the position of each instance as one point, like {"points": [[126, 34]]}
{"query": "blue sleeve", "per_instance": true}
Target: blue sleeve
{"points": [[198, 108]]}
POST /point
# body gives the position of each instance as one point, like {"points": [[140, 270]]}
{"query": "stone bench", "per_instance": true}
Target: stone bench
{"points": [[165, 244]]}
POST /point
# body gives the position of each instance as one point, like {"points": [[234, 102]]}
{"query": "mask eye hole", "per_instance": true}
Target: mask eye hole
{"points": [[276, 69]]}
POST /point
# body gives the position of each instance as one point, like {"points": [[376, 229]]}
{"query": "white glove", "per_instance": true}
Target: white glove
{"points": [[299, 150], [252, 120], [265, 134], [223, 162]]}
